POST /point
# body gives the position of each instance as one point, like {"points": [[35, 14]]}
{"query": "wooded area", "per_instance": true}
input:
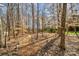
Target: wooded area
{"points": [[39, 29]]}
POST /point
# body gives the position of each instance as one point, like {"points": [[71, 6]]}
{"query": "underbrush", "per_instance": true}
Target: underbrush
{"points": [[50, 30]]}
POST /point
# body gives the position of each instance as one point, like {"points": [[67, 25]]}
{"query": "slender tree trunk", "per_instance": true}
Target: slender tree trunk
{"points": [[1, 33], [12, 19], [28, 22], [18, 18], [0, 40], [26, 15], [58, 16], [37, 18], [8, 22], [5, 38], [32, 17], [62, 43], [22, 19], [42, 23]]}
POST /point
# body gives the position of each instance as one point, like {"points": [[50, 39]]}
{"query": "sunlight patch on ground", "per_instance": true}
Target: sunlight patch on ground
{"points": [[71, 33]]}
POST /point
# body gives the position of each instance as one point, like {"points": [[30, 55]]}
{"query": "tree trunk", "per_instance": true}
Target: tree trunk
{"points": [[1, 33], [42, 23], [37, 18], [8, 22], [18, 18], [32, 17], [58, 16], [62, 43]]}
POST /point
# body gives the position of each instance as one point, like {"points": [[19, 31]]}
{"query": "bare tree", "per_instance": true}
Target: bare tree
{"points": [[18, 17], [63, 18], [12, 20], [32, 17], [1, 29], [37, 18], [58, 16], [8, 22], [42, 22], [1, 32]]}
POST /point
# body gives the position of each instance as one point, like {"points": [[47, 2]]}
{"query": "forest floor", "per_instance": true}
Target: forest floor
{"points": [[44, 46], [71, 44], [21, 41]]}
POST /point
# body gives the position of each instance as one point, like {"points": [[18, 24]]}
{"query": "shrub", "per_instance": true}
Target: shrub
{"points": [[50, 30]]}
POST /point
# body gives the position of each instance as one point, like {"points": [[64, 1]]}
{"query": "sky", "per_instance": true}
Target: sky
{"points": [[41, 7]]}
